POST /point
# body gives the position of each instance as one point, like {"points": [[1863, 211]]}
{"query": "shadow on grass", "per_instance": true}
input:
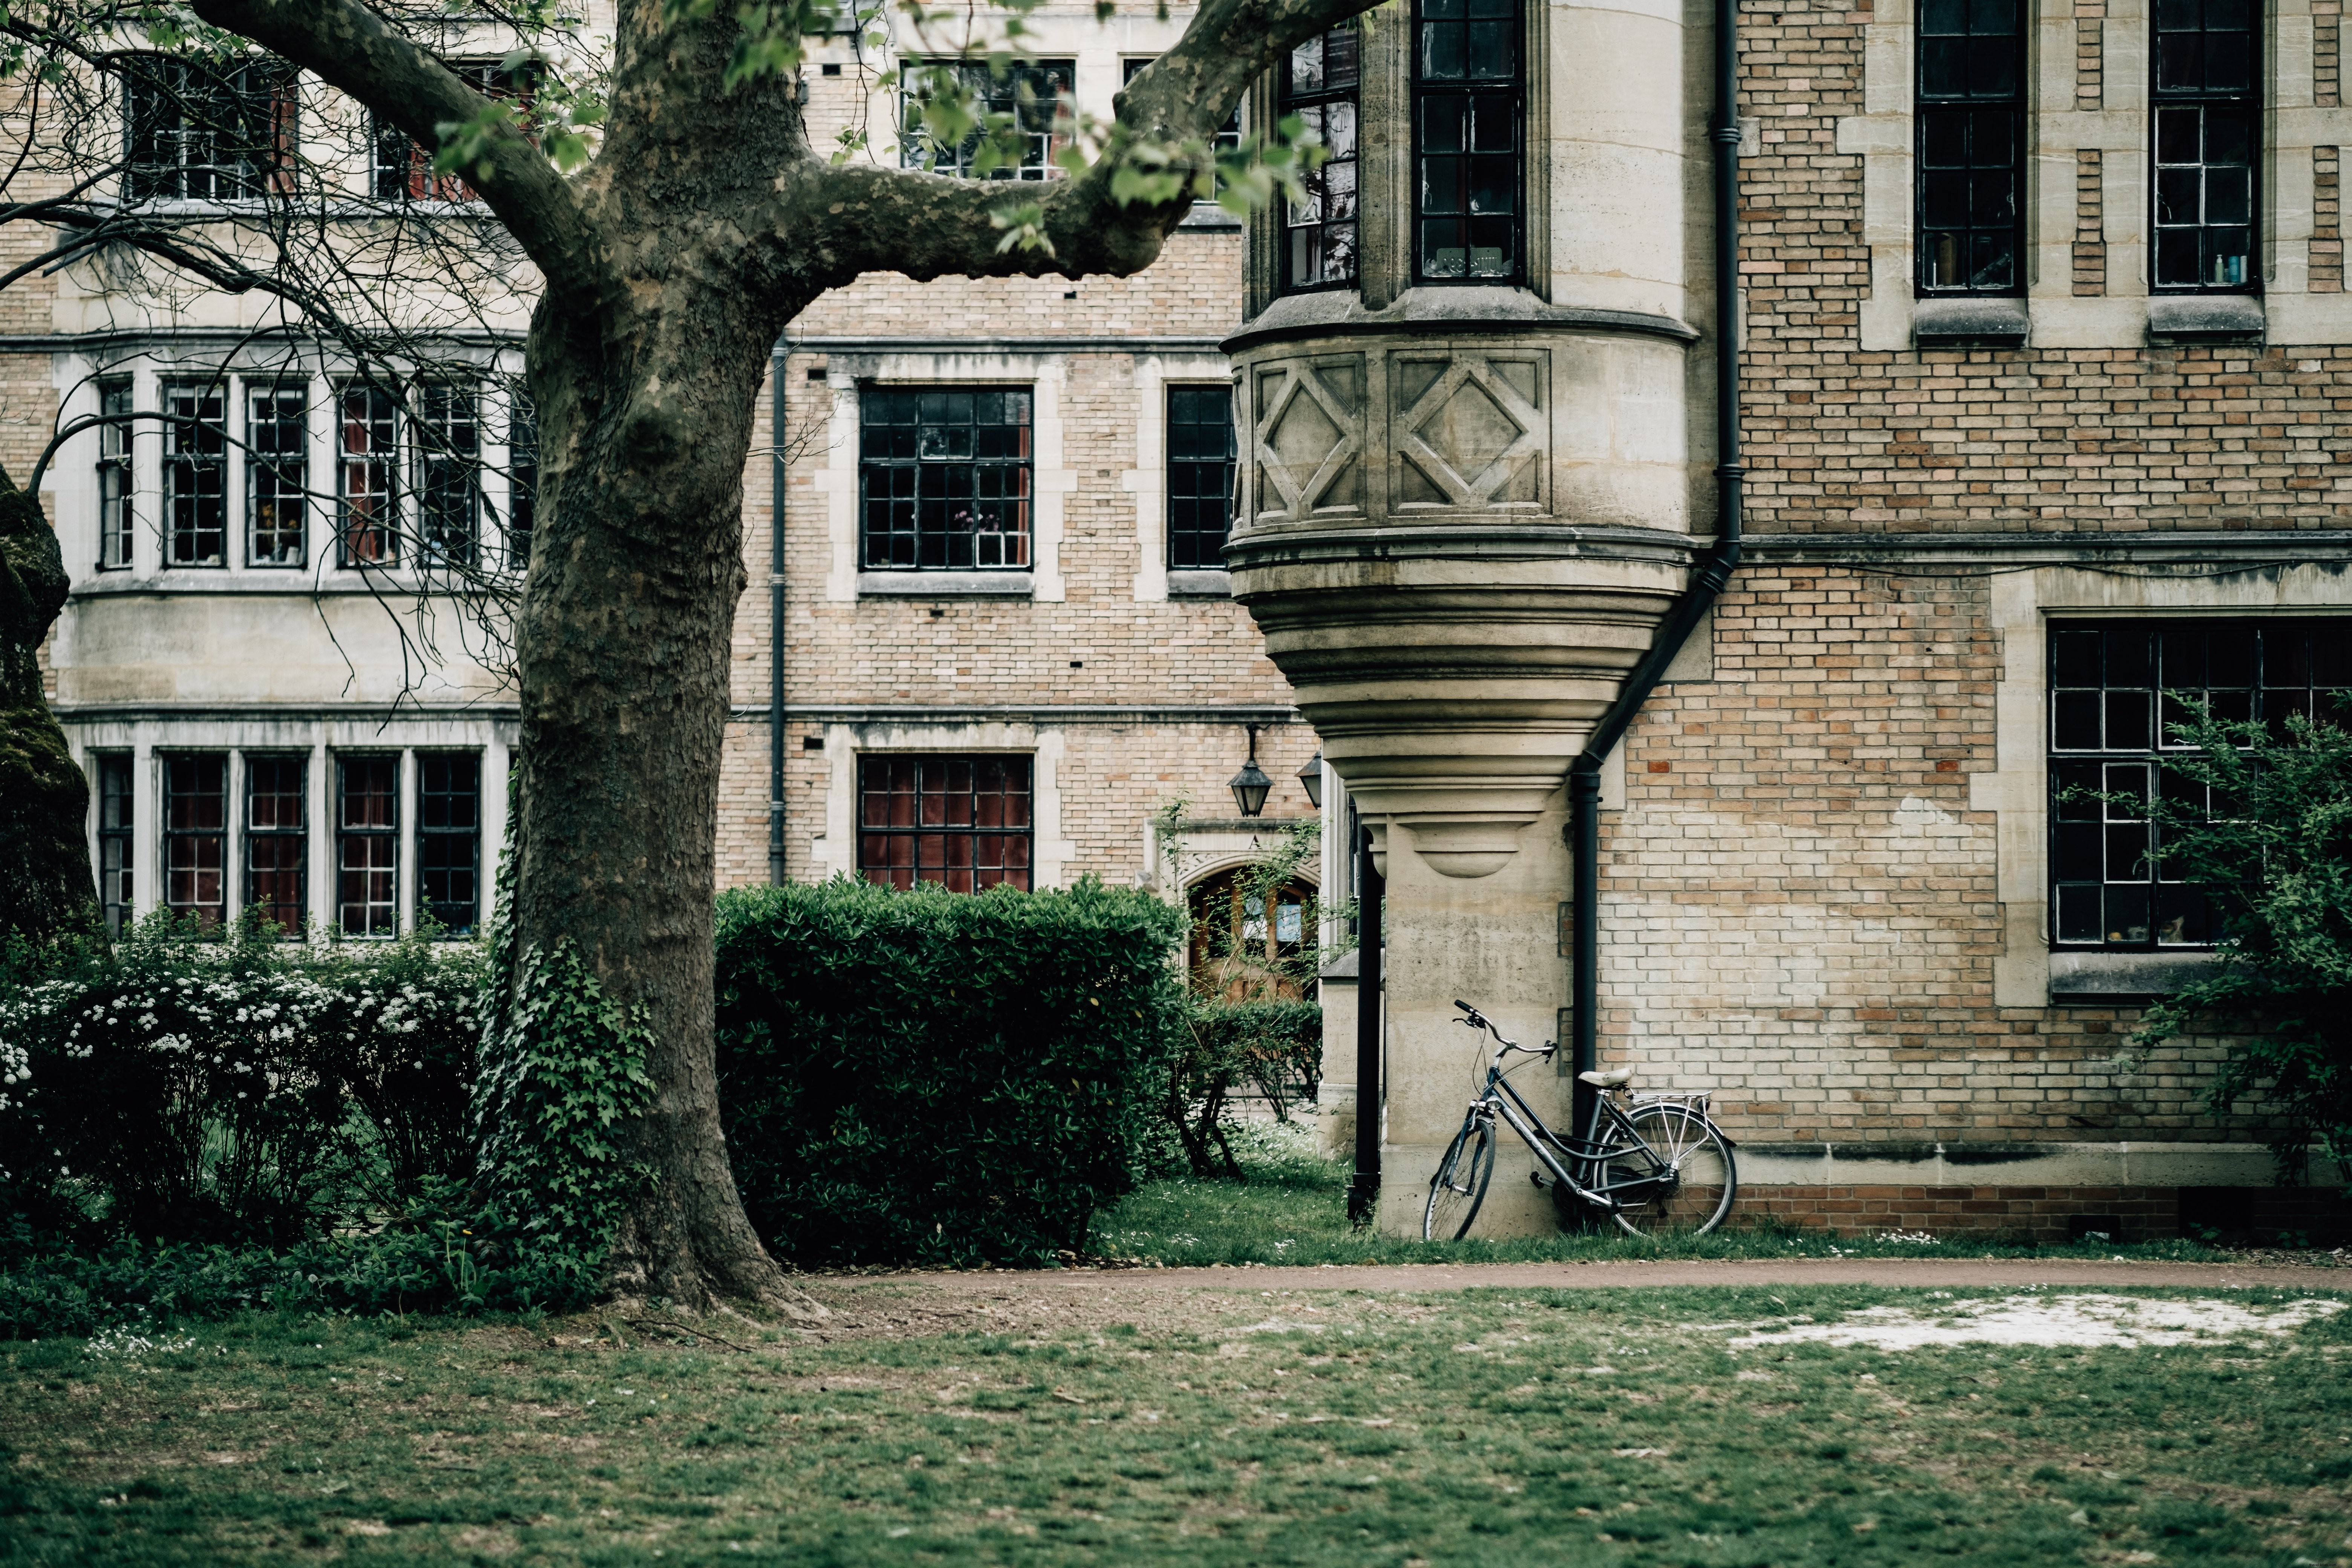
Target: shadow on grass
{"points": [[1293, 1209]]}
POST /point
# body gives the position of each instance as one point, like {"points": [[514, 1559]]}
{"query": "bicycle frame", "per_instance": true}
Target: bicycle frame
{"points": [[1500, 1096]]}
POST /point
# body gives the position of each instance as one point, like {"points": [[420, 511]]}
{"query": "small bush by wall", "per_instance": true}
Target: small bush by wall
{"points": [[940, 1077]]}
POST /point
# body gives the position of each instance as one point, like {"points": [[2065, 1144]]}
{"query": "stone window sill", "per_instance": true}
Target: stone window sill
{"points": [[2205, 318], [2125, 974], [1943, 322], [1206, 584], [945, 586]]}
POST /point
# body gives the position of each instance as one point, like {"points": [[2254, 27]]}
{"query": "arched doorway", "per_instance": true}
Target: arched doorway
{"points": [[1251, 942]]}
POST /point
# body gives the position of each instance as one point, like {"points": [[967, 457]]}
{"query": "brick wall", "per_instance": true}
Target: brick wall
{"points": [[1841, 440], [1798, 903], [1099, 646]]}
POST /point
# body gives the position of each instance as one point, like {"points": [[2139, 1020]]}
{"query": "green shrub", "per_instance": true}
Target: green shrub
{"points": [[1275, 1046], [938, 1077], [2273, 855], [234, 1088]]}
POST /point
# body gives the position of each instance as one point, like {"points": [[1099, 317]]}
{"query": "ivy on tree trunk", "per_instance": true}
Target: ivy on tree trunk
{"points": [[671, 265], [44, 877]]}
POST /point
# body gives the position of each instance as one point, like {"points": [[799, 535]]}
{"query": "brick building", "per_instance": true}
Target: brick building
{"points": [[2044, 355], [1037, 645], [2040, 415]]}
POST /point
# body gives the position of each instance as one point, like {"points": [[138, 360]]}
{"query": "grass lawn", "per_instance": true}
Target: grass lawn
{"points": [[1294, 1209], [979, 1422]]}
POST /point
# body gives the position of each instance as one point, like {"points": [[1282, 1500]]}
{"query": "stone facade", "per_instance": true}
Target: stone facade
{"points": [[1825, 883]]}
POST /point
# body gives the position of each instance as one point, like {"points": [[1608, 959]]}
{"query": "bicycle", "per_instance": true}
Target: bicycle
{"points": [[1661, 1169]]}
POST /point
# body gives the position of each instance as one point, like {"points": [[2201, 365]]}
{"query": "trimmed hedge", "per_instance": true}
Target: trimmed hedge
{"points": [[942, 1077]]}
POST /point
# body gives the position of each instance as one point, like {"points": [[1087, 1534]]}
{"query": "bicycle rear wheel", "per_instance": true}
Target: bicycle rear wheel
{"points": [[1679, 1179], [1460, 1185]]}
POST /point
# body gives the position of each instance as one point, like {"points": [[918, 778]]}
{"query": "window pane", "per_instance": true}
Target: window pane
{"points": [[963, 468], [958, 822]]}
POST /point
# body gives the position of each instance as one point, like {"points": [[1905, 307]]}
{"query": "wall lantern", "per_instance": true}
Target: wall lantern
{"points": [[1250, 786], [1311, 775]]}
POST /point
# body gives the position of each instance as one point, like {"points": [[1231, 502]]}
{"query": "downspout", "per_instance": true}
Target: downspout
{"points": [[776, 631], [1364, 1192], [1708, 579]]}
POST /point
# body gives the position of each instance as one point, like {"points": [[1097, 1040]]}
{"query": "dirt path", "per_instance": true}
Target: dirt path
{"points": [[1975, 1273], [1031, 1301]]}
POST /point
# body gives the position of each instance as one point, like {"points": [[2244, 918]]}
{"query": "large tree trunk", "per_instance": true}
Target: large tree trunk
{"points": [[624, 652], [45, 882]]}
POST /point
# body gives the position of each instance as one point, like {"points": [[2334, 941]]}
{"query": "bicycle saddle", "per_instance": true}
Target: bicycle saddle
{"points": [[1617, 1079]]}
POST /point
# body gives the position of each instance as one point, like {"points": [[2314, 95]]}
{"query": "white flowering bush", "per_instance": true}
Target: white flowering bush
{"points": [[235, 1087]]}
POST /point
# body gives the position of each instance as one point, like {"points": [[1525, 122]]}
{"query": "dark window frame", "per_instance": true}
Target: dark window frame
{"points": [[367, 520], [286, 475], [269, 827], [450, 851], [1037, 114], [2222, 88], [195, 474], [380, 918], [2094, 847], [1482, 95], [1325, 106], [1970, 81], [1228, 138], [895, 425], [189, 826], [118, 853], [195, 132], [898, 854], [522, 472], [400, 169], [445, 433], [1191, 482], [117, 517]]}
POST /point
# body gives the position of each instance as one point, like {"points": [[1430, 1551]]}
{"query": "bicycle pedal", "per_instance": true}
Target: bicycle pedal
{"points": [[1536, 1177]]}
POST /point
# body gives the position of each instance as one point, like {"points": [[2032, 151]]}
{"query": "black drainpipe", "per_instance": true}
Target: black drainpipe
{"points": [[776, 631], [1364, 1192], [1706, 581]]}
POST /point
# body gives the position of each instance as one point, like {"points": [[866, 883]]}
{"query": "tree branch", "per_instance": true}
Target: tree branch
{"points": [[863, 218], [352, 48]]}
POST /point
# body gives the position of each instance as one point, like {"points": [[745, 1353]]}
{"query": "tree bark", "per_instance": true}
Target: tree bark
{"points": [[45, 880], [627, 624], [704, 226]]}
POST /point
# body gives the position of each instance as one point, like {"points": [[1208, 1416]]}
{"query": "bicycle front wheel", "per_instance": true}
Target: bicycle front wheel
{"points": [[1460, 1185], [1677, 1180]]}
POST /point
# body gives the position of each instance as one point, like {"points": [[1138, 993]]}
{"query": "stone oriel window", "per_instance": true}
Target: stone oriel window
{"points": [[203, 133], [2208, 113], [195, 474], [962, 821], [1971, 146], [278, 838], [1468, 82], [1320, 85], [449, 838], [2115, 689], [1032, 93], [277, 473], [1200, 476], [114, 475], [944, 477], [116, 856], [367, 845], [195, 836]]}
